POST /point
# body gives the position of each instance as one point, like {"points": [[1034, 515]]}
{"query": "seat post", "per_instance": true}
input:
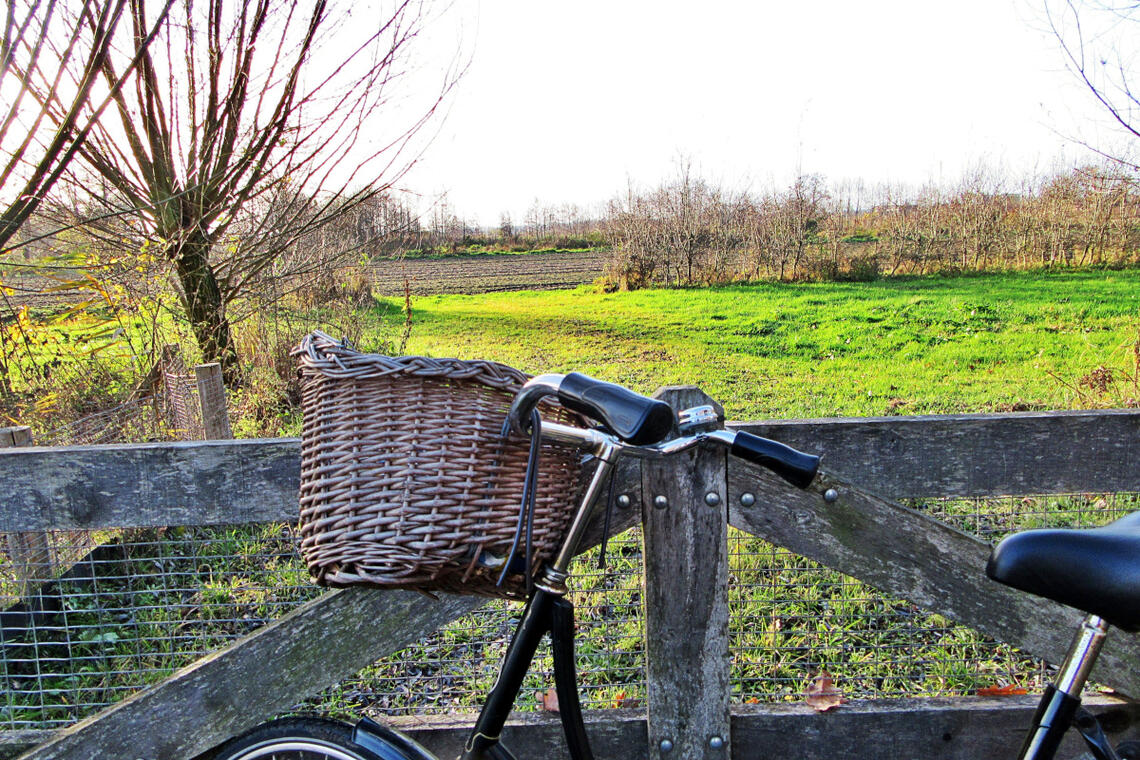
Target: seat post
{"points": [[1062, 698], [1082, 655]]}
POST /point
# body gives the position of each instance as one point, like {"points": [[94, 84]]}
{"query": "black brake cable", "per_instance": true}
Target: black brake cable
{"points": [[527, 507], [606, 525]]}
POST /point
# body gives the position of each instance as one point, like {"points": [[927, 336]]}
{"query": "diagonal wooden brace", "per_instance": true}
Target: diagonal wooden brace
{"points": [[915, 557]]}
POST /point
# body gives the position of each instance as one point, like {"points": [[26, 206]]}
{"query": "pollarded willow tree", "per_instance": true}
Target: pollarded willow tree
{"points": [[247, 128], [53, 91], [52, 94]]}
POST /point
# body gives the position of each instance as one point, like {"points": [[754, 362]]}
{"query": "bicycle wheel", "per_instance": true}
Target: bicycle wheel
{"points": [[296, 739]]}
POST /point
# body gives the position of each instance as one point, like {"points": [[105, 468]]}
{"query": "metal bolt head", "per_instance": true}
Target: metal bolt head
{"points": [[712, 498], [747, 499], [661, 502], [666, 745], [716, 742], [830, 495], [624, 501]]}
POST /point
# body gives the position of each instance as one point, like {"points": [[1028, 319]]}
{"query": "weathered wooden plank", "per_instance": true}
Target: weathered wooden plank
{"points": [[912, 556], [686, 599], [946, 729], [30, 552], [150, 484], [12, 743], [616, 734], [626, 512], [186, 483], [257, 677], [18, 435], [973, 454], [211, 482]]}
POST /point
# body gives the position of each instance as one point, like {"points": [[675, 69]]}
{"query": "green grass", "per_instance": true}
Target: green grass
{"points": [[903, 345], [906, 346], [899, 346]]}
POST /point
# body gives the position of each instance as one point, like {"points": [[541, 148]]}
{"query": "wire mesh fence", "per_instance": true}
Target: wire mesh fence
{"points": [[81, 612], [145, 602]]}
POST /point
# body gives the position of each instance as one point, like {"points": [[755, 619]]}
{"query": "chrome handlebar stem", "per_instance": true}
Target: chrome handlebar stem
{"points": [[595, 440], [606, 447]]}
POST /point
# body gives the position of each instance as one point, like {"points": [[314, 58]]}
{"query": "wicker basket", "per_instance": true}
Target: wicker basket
{"points": [[406, 481]]}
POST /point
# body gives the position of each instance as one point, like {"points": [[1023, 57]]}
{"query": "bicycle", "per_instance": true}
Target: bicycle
{"points": [[1055, 564]]}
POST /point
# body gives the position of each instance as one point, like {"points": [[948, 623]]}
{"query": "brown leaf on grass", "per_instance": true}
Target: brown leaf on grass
{"points": [[1006, 690], [621, 699], [550, 700], [823, 695]]}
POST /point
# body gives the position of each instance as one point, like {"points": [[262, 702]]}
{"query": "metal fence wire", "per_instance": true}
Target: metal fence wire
{"points": [[142, 603]]}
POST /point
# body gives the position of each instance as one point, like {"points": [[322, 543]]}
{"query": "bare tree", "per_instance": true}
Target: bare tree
{"points": [[50, 55], [51, 58], [797, 220], [247, 128], [1097, 39]]}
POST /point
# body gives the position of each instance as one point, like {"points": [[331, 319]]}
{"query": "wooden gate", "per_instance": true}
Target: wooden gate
{"points": [[686, 511]]}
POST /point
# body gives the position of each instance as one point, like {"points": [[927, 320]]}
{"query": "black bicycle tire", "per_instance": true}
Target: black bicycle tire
{"points": [[301, 738]]}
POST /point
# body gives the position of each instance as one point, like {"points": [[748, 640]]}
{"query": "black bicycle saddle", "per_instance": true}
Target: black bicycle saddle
{"points": [[1095, 570]]}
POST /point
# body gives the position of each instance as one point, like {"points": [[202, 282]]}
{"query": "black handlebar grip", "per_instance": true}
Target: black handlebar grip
{"points": [[632, 417], [796, 467]]}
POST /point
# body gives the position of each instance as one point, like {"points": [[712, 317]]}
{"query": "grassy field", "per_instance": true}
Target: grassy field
{"points": [[899, 346], [896, 346]]}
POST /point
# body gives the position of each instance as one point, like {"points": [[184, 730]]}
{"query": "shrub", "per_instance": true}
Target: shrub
{"points": [[862, 269]]}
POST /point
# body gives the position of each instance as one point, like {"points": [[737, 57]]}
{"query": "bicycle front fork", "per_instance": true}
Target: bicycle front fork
{"points": [[1061, 701], [546, 612]]}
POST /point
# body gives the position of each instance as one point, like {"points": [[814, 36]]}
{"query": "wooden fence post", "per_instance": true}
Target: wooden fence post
{"points": [[30, 552], [212, 395], [686, 599], [21, 435]]}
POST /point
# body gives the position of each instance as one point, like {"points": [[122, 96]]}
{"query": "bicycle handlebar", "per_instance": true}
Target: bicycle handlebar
{"points": [[794, 466], [633, 418], [635, 425]]}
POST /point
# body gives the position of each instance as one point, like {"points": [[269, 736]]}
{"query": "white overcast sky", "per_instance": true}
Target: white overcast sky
{"points": [[567, 102]]}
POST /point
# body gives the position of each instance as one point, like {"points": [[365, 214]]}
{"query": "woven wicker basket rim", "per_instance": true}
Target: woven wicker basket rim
{"points": [[322, 353]]}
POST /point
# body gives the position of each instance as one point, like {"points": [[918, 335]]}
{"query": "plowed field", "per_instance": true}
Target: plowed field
{"points": [[487, 273]]}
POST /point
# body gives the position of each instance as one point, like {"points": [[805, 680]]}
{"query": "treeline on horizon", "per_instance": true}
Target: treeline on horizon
{"points": [[688, 231]]}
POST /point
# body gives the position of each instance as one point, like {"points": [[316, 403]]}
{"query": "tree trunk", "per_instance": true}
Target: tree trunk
{"points": [[203, 302]]}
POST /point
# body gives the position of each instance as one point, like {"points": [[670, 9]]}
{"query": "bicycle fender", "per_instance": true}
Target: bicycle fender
{"points": [[387, 743]]}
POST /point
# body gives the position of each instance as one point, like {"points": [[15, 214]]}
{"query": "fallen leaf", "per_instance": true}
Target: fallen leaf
{"points": [[1007, 690], [550, 700], [621, 699], [823, 695]]}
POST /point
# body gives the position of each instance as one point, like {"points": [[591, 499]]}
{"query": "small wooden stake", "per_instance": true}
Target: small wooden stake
{"points": [[212, 394], [30, 551]]}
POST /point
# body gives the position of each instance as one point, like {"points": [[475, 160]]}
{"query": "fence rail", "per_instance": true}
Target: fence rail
{"points": [[902, 551]]}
